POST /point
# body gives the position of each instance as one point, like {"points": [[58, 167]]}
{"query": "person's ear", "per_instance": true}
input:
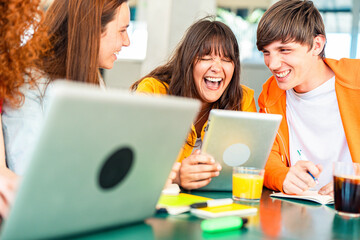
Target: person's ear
{"points": [[318, 44]]}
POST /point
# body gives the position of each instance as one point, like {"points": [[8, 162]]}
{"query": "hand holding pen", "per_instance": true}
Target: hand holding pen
{"points": [[298, 178], [304, 159]]}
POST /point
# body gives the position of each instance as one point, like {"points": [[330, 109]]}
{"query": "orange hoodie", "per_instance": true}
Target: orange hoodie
{"points": [[273, 100]]}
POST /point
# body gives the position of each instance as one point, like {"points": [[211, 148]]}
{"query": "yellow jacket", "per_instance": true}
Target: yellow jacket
{"points": [[152, 85]]}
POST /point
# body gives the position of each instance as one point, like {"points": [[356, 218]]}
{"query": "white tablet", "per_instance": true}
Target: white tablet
{"points": [[237, 138]]}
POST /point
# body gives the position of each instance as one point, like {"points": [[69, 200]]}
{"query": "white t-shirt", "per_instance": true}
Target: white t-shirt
{"points": [[315, 128]]}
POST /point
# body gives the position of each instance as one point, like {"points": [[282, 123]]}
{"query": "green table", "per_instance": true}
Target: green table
{"points": [[276, 219]]}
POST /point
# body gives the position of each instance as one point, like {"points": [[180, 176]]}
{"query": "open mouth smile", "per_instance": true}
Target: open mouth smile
{"points": [[213, 83]]}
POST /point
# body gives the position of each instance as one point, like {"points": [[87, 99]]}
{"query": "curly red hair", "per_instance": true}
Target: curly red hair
{"points": [[17, 20]]}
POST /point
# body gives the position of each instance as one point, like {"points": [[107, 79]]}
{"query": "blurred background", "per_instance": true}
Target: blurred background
{"points": [[158, 25]]}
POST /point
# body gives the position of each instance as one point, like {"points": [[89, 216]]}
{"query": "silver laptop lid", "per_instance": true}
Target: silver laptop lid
{"points": [[101, 160], [237, 138]]}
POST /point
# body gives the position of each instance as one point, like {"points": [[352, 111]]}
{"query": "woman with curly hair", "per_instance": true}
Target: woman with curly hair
{"points": [[17, 57], [85, 35]]}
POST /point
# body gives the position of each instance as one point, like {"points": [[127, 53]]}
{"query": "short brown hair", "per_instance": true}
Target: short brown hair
{"points": [[290, 20]]}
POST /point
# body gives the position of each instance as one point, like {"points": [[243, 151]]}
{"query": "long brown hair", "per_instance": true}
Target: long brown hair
{"points": [[202, 38], [290, 20], [75, 27], [19, 48]]}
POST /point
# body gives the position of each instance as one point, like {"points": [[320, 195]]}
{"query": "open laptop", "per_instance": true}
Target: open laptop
{"points": [[237, 138], [101, 160]]}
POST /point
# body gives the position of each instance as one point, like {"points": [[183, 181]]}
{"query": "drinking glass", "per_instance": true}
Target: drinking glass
{"points": [[247, 184], [347, 188]]}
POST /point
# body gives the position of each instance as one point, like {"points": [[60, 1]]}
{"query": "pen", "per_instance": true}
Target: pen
{"points": [[212, 203], [315, 179]]}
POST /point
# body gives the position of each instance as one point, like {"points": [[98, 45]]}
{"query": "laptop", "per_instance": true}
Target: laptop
{"points": [[237, 138], [101, 160]]}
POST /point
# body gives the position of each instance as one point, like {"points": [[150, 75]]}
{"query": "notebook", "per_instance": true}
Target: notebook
{"points": [[312, 196], [178, 204], [101, 160], [237, 138], [233, 209]]}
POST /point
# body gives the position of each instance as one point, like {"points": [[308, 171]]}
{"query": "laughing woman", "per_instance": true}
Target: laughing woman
{"points": [[205, 66]]}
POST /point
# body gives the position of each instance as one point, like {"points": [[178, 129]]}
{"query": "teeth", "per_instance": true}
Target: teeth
{"points": [[283, 74], [213, 79]]}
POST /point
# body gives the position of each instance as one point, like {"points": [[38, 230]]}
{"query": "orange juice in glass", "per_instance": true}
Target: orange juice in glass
{"points": [[247, 184]]}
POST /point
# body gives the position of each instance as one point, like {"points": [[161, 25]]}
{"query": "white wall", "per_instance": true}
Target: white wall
{"points": [[167, 22], [254, 75]]}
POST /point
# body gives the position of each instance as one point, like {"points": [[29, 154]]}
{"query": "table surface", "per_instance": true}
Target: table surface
{"points": [[275, 219]]}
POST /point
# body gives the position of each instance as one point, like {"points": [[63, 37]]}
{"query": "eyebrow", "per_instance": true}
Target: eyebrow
{"points": [[283, 45]]}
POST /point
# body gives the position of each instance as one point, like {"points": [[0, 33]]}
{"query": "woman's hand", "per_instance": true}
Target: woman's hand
{"points": [[174, 175], [8, 187], [197, 170]]}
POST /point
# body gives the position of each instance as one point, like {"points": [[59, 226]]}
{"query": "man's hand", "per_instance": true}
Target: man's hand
{"points": [[328, 189], [298, 178]]}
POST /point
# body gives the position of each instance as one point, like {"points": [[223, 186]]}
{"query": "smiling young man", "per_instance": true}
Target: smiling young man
{"points": [[319, 99]]}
